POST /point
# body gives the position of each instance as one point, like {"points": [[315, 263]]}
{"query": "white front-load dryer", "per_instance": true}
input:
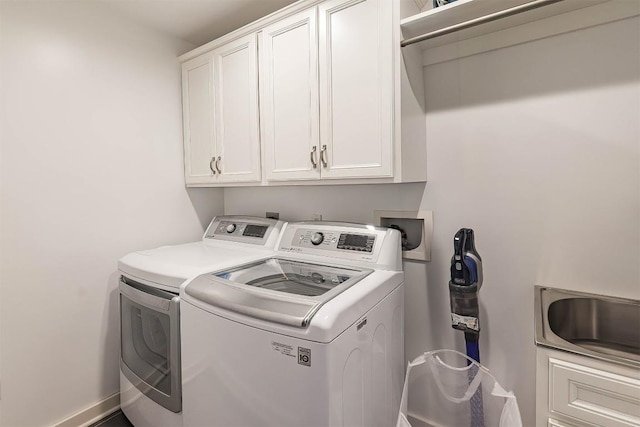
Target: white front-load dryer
{"points": [[150, 357], [312, 336]]}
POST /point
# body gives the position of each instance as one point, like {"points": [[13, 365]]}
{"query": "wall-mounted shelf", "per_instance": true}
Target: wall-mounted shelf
{"points": [[456, 14]]}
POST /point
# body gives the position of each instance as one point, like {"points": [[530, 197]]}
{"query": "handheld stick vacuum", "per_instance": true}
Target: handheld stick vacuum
{"points": [[466, 280]]}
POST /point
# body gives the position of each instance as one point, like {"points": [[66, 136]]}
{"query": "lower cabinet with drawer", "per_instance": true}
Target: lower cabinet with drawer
{"points": [[577, 391]]}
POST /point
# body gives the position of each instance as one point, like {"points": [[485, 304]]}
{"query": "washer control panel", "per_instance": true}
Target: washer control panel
{"points": [[334, 240], [356, 242], [342, 242]]}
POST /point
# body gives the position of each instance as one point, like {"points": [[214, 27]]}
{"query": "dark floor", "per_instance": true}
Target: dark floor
{"points": [[117, 419]]}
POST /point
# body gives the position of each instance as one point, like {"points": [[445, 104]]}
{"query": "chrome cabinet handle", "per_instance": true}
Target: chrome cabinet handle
{"points": [[211, 165], [322, 156], [218, 165], [313, 157]]}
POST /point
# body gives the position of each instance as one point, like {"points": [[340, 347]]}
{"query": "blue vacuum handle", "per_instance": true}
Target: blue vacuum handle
{"points": [[466, 262]]}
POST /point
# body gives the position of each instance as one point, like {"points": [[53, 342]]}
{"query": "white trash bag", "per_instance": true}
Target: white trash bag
{"points": [[446, 392]]}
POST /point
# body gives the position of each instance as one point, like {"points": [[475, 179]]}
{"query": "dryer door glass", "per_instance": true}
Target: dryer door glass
{"points": [[145, 344]]}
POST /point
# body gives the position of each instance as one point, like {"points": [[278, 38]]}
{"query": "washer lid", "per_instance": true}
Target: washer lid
{"points": [[276, 289]]}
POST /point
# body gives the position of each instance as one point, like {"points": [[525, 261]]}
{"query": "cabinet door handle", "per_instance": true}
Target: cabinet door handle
{"points": [[322, 156], [218, 165], [313, 157], [211, 165]]}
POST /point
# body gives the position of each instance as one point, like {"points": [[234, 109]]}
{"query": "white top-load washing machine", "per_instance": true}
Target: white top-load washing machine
{"points": [[312, 336], [150, 373]]}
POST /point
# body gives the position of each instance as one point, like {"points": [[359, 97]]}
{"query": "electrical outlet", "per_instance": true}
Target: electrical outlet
{"points": [[316, 217]]}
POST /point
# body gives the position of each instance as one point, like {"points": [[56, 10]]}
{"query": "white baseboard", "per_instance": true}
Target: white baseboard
{"points": [[92, 414]]}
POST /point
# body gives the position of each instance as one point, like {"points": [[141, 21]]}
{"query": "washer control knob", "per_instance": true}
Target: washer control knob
{"points": [[317, 238], [231, 228]]}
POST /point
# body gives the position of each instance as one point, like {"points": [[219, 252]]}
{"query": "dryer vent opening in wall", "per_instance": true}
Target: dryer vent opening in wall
{"points": [[418, 227]]}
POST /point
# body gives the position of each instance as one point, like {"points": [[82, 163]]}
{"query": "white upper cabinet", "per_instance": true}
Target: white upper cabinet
{"points": [[327, 92], [235, 111], [356, 88], [289, 98], [197, 107], [334, 91], [220, 115]]}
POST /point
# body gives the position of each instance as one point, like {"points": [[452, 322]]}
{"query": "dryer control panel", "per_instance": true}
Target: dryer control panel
{"points": [[243, 229], [238, 228]]}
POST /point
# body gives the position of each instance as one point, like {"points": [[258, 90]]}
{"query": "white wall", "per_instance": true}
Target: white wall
{"points": [[91, 169], [537, 148]]}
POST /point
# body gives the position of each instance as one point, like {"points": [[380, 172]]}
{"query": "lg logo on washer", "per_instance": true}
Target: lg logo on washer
{"points": [[304, 356]]}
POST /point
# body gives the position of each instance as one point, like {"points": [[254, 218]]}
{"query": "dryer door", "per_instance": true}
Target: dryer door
{"points": [[150, 342]]}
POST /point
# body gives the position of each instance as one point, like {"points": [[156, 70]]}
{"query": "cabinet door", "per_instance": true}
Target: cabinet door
{"points": [[356, 88], [289, 98], [197, 110], [595, 396], [236, 110]]}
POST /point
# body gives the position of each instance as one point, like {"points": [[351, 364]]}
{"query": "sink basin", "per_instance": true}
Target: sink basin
{"points": [[592, 325]]}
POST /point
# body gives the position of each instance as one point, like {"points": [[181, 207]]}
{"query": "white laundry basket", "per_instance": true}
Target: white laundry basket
{"points": [[442, 390]]}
